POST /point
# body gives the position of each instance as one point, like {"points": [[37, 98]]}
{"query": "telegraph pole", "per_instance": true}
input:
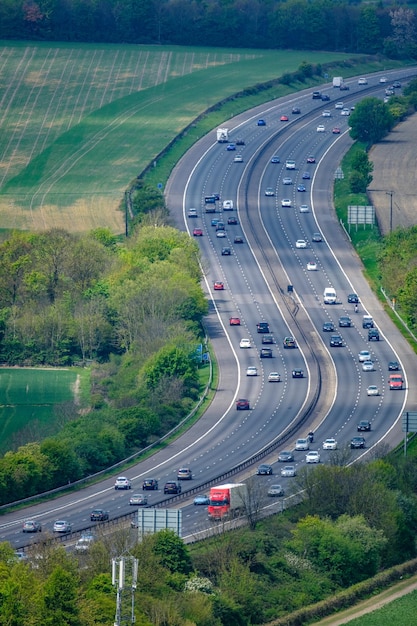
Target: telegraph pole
{"points": [[390, 194]]}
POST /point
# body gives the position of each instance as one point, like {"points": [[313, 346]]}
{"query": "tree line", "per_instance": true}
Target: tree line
{"points": [[270, 24]]}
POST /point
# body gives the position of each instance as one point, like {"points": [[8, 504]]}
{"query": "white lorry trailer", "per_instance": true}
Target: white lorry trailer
{"points": [[222, 135], [337, 81]]}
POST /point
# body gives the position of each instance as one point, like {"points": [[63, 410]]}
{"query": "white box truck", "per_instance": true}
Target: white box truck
{"points": [[222, 135], [337, 81], [227, 501], [329, 296]]}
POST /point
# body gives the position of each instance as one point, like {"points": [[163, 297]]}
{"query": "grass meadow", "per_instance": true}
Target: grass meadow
{"points": [[79, 122]]}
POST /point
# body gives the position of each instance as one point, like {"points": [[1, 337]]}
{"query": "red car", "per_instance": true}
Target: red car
{"points": [[218, 285], [311, 159], [198, 232], [284, 118], [234, 321], [336, 131], [242, 405]]}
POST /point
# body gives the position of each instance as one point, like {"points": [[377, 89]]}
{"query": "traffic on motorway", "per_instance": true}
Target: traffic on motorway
{"points": [[271, 248]]}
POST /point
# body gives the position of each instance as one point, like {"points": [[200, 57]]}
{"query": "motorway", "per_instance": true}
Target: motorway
{"points": [[331, 398]]}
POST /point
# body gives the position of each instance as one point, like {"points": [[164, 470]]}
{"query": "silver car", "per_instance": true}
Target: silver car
{"points": [[302, 444], [62, 526], [275, 491], [289, 471]]}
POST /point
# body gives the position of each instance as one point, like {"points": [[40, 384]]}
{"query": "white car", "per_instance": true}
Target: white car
{"points": [[220, 234], [372, 390], [122, 483], [383, 79], [301, 243], [286, 202], [302, 444], [269, 192], [339, 105], [304, 208], [320, 128], [367, 366], [228, 205], [274, 377], [362, 81], [312, 457], [312, 267], [251, 371], [364, 355], [288, 471], [192, 213], [244, 343], [238, 158], [345, 112], [326, 113], [287, 180], [330, 444]]}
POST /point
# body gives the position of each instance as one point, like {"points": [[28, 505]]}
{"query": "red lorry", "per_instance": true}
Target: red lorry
{"points": [[227, 501]]}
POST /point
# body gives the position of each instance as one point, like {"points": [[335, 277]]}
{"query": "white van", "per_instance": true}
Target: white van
{"points": [[329, 296]]}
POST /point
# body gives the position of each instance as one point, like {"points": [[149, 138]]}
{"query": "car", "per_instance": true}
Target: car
{"points": [[31, 526], [344, 87], [311, 159], [240, 142], [269, 192], [372, 390], [312, 267], [231, 147], [345, 321], [373, 334], [287, 180], [138, 499], [386, 99], [393, 366], [306, 176], [285, 456], [172, 488], [232, 221], [353, 298], [198, 232], [244, 343], [288, 471], [290, 164], [261, 122], [325, 97], [267, 339], [262, 327], [367, 321], [85, 542], [336, 131], [313, 457], [192, 213], [297, 373], [286, 202], [226, 251], [238, 159], [367, 366], [316, 95], [328, 327], [362, 81], [345, 112], [301, 243], [251, 370], [150, 484], [122, 483], [296, 111], [284, 118], [184, 473], [336, 341], [304, 208], [227, 205], [364, 355], [275, 159], [275, 491], [321, 128], [238, 239], [389, 91], [339, 105], [220, 225], [264, 470], [242, 404], [357, 442], [326, 113], [221, 234], [289, 342], [301, 188], [234, 321], [19, 555], [317, 238], [99, 515], [396, 84], [214, 221], [218, 286], [61, 526], [330, 444], [383, 79], [201, 500], [364, 425], [274, 377], [265, 353]]}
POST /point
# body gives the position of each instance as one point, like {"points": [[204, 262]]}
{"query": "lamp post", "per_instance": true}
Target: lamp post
{"points": [[390, 194]]}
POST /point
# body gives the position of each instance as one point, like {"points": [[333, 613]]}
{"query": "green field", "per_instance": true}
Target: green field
{"points": [[79, 122], [400, 612], [29, 400]]}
